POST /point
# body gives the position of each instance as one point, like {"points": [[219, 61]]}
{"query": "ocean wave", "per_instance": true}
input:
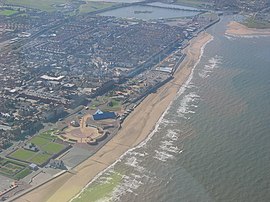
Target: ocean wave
{"points": [[163, 155], [186, 104], [172, 134], [129, 184], [191, 86], [133, 162], [166, 122], [213, 63], [230, 37], [168, 146]]}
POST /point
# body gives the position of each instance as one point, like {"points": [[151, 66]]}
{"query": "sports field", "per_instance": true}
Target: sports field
{"points": [[47, 149], [23, 154]]}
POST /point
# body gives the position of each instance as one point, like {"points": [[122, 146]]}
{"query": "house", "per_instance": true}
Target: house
{"points": [[57, 164], [33, 166], [31, 147]]}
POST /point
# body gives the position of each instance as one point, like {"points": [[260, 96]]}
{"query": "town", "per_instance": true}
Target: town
{"points": [[68, 81]]}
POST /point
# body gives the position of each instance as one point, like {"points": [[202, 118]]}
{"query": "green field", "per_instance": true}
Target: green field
{"points": [[46, 145], [22, 174], [40, 158], [31, 157], [255, 23], [22, 154], [45, 5], [53, 148], [44, 142], [39, 141], [115, 105], [91, 6], [101, 190], [48, 134], [98, 101], [14, 169], [7, 12]]}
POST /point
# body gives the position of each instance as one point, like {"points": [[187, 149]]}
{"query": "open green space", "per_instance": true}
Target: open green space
{"points": [[8, 12], [53, 148], [252, 22], [98, 101], [13, 169], [46, 145], [40, 158], [113, 105], [22, 174], [50, 134], [45, 5], [91, 6], [39, 141], [101, 190], [23, 154]]}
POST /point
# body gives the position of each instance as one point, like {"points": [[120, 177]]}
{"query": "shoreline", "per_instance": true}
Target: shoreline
{"points": [[136, 130], [236, 29]]}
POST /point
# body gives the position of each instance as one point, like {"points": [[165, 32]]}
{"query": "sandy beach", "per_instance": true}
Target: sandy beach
{"points": [[135, 129], [237, 29]]}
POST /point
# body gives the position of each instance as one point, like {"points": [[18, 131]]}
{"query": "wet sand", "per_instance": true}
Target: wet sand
{"points": [[237, 29], [135, 129]]}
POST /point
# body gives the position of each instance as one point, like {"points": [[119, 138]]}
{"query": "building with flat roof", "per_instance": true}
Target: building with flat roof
{"points": [[100, 115]]}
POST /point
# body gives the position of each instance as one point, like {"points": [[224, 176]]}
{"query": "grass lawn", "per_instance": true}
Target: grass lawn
{"points": [[2, 161], [48, 134], [22, 154], [45, 5], [7, 12], [115, 105], [53, 148], [40, 158], [39, 141], [14, 169], [22, 174], [258, 24], [100, 191], [6, 171], [98, 101], [47, 148], [91, 6]]}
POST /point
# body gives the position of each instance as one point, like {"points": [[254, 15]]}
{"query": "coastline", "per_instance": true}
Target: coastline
{"points": [[135, 129], [236, 29]]}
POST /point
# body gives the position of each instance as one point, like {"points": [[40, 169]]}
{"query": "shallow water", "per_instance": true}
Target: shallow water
{"points": [[153, 13]]}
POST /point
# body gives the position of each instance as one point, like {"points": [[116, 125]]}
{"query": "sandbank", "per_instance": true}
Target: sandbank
{"points": [[237, 29]]}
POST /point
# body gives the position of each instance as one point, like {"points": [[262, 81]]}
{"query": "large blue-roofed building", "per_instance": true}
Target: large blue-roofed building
{"points": [[100, 115]]}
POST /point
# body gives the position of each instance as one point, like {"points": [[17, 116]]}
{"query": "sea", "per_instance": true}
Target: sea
{"points": [[213, 143]]}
